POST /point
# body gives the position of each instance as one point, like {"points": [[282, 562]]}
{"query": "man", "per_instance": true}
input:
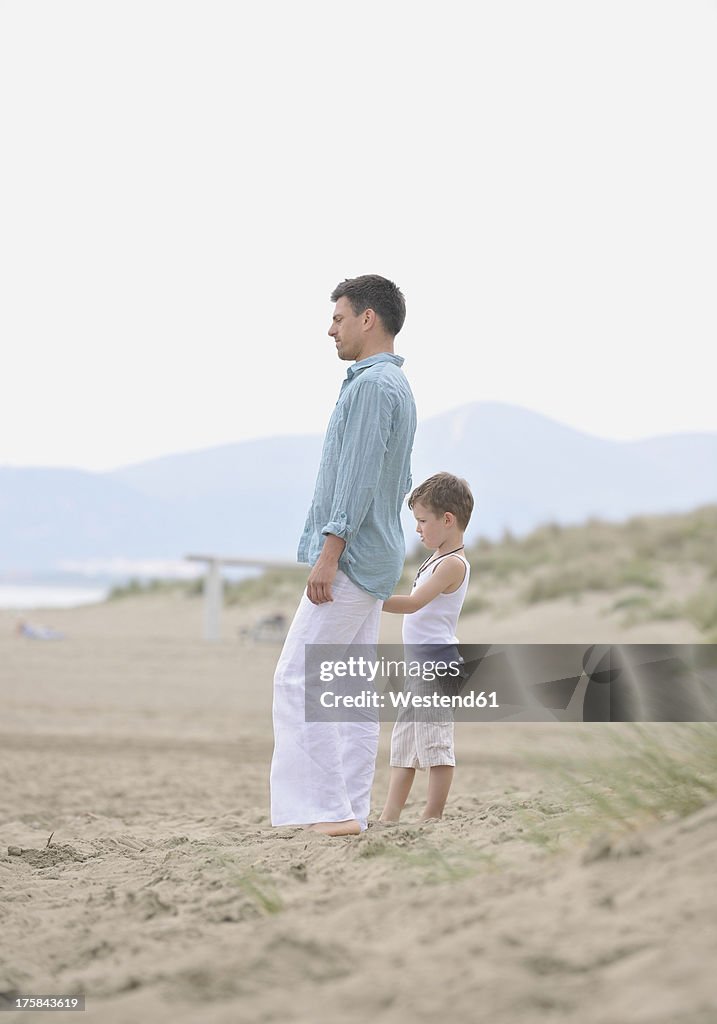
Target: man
{"points": [[322, 772]]}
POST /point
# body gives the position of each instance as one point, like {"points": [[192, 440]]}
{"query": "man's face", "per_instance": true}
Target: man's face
{"points": [[347, 330]]}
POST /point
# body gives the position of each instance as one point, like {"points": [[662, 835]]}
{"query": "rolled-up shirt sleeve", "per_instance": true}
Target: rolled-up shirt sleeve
{"points": [[363, 447]]}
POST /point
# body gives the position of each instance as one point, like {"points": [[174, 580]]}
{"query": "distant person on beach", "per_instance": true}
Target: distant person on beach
{"points": [[442, 506], [33, 632], [322, 772]]}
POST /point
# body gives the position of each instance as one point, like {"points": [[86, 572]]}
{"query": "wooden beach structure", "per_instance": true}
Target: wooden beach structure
{"points": [[214, 585]]}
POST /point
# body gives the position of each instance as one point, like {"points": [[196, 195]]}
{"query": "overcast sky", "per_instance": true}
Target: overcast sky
{"points": [[184, 183]]}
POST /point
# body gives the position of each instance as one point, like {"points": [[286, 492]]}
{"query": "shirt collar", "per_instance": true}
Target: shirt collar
{"points": [[379, 357]]}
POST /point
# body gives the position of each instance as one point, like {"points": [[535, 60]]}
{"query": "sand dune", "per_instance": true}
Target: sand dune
{"points": [[166, 896]]}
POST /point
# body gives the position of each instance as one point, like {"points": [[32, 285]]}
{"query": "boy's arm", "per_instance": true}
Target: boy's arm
{"points": [[449, 573]]}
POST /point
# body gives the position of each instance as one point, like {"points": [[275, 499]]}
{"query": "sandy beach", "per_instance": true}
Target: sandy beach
{"points": [[165, 895], [206, 375]]}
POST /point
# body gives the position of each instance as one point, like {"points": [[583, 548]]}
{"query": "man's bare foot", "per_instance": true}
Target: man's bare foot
{"points": [[337, 828]]}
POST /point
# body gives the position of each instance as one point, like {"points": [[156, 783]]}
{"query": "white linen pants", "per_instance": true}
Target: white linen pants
{"points": [[322, 771]]}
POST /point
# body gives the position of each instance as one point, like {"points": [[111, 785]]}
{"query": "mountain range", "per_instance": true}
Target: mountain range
{"points": [[249, 499]]}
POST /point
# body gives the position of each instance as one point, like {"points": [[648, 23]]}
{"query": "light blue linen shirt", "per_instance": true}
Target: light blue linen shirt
{"points": [[364, 475]]}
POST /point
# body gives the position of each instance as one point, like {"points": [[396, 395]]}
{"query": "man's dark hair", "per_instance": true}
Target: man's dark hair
{"points": [[377, 293]]}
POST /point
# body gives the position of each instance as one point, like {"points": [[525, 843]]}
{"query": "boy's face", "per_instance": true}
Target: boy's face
{"points": [[431, 527]]}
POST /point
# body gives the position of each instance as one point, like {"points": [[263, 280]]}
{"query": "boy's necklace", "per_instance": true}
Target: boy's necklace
{"points": [[430, 560]]}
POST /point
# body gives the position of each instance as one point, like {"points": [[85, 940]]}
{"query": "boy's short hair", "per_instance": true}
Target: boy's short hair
{"points": [[371, 291], [444, 492]]}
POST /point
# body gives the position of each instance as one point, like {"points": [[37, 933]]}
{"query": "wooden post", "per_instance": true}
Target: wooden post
{"points": [[213, 599], [214, 585]]}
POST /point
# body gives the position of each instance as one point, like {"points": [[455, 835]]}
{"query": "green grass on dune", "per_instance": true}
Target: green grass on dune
{"points": [[629, 560], [644, 773]]}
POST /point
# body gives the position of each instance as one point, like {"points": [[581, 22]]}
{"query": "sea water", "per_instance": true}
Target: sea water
{"points": [[31, 595]]}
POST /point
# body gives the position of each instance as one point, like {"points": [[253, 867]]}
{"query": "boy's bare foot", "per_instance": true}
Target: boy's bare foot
{"points": [[336, 828]]}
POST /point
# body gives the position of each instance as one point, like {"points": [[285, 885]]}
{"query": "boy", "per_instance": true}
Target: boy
{"points": [[442, 506]]}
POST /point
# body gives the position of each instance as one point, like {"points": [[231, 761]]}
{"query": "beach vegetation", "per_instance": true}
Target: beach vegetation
{"points": [[474, 603], [273, 584], [636, 561], [652, 772], [136, 587], [257, 886], [409, 847], [701, 609], [261, 890]]}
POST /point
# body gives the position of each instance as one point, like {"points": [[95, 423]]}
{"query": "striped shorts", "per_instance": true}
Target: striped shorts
{"points": [[422, 744]]}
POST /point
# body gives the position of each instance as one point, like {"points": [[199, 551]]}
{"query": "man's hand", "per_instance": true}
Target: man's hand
{"points": [[318, 587], [322, 576]]}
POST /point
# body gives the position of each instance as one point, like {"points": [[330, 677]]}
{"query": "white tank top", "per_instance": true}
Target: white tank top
{"points": [[436, 622]]}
